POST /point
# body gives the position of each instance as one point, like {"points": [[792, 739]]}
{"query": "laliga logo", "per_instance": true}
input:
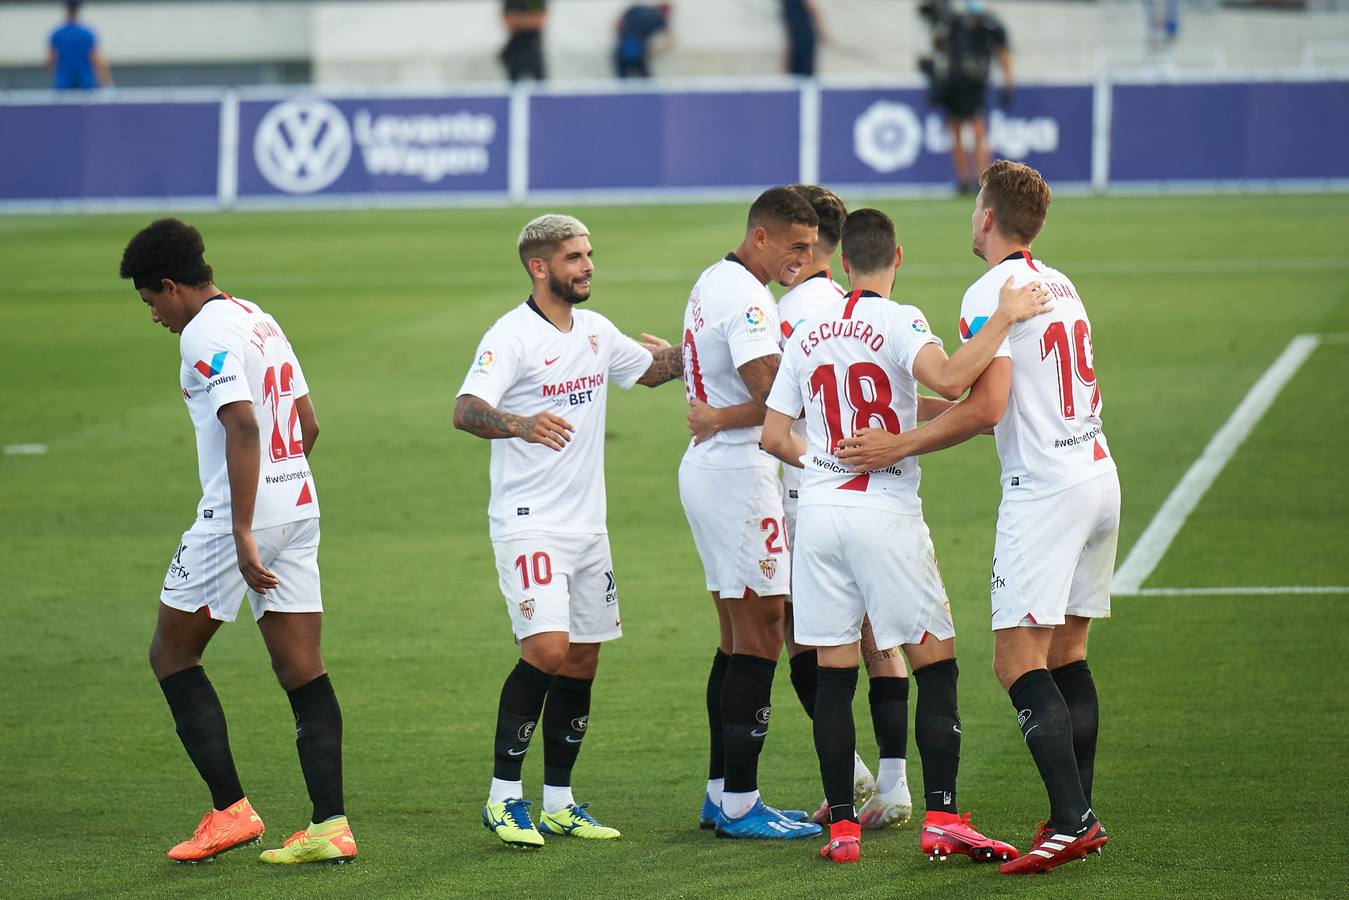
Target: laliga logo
{"points": [[302, 146], [887, 136]]}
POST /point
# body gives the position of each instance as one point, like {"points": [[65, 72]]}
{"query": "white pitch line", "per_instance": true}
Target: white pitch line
{"points": [[1185, 496], [25, 449], [1222, 591]]}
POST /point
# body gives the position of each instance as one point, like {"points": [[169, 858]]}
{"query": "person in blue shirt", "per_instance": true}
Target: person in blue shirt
{"points": [[804, 31], [73, 55], [636, 27]]}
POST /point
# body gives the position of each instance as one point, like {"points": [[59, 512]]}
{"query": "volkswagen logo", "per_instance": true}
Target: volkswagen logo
{"points": [[888, 136], [302, 146]]}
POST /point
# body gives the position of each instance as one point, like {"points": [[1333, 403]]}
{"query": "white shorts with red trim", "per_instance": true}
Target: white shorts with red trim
{"points": [[851, 562], [205, 572], [559, 582], [1054, 556], [737, 523]]}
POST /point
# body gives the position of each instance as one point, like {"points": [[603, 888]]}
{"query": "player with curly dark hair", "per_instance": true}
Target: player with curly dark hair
{"points": [[256, 534]]}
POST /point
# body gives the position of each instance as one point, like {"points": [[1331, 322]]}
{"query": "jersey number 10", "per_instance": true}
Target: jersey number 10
{"points": [[278, 389]]}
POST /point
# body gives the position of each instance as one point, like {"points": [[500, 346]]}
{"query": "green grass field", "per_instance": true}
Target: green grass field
{"points": [[1222, 766]]}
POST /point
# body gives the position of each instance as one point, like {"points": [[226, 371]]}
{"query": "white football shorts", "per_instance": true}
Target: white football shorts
{"points": [[853, 561], [559, 582], [205, 572], [1054, 556], [737, 523]]}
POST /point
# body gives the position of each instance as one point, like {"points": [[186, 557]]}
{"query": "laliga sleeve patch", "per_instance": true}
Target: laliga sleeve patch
{"points": [[483, 364], [919, 325], [756, 320]]}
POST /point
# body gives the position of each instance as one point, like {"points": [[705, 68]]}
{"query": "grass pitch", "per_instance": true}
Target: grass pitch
{"points": [[1221, 769]]}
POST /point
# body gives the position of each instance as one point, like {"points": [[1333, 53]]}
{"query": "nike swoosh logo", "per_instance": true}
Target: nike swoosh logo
{"points": [[1028, 731], [515, 753], [569, 740], [758, 733], [549, 362], [167, 588]]}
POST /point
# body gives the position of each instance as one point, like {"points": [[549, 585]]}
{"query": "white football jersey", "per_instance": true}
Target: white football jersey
{"points": [[1050, 435], [525, 366], [849, 370], [233, 351], [813, 297], [730, 319]]}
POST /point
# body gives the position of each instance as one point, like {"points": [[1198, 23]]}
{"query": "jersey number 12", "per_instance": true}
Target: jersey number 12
{"points": [[278, 389]]}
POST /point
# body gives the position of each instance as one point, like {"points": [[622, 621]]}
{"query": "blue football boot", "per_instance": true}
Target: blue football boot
{"points": [[764, 823]]}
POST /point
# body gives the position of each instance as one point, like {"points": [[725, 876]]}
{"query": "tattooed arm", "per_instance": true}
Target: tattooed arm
{"points": [[758, 375], [667, 363], [477, 416]]}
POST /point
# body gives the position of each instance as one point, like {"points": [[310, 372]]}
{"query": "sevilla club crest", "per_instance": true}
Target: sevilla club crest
{"points": [[527, 609], [769, 567], [595, 343]]}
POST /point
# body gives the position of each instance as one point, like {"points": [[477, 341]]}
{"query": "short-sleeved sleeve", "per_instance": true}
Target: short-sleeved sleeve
{"points": [[753, 332], [909, 323], [785, 396], [980, 302], [494, 368], [217, 361], [629, 360]]}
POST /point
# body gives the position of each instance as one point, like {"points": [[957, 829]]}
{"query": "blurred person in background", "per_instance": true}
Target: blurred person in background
{"points": [[804, 30], [636, 27], [963, 46], [73, 57], [523, 54]]}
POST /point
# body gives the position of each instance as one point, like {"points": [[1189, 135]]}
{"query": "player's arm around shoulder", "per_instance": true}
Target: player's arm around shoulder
{"points": [[952, 376], [667, 362]]}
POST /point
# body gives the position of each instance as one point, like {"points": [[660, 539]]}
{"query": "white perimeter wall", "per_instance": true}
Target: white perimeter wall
{"points": [[425, 42]]}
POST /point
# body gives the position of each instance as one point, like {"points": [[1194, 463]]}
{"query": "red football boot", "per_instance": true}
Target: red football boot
{"points": [[845, 843], [1053, 848], [946, 834]]}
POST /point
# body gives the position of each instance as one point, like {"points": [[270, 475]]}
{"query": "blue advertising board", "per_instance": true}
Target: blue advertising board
{"points": [[711, 139], [1232, 131], [81, 151], [895, 137], [304, 146]]}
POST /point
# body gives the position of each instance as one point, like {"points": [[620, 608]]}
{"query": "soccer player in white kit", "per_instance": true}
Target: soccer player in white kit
{"points": [[256, 535], [733, 501], [862, 547], [1058, 523], [541, 376], [882, 802]]}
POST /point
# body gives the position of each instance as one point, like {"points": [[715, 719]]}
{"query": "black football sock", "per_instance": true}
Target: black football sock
{"points": [[318, 737], [1048, 730], [201, 727], [565, 718], [804, 665], [517, 713], [1079, 692], [716, 681], [746, 704], [889, 701], [836, 738], [936, 730]]}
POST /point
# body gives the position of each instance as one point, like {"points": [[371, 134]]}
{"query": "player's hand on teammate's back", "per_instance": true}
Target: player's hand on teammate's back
{"points": [[868, 450], [702, 420], [547, 429], [257, 576], [1025, 302], [654, 344]]}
